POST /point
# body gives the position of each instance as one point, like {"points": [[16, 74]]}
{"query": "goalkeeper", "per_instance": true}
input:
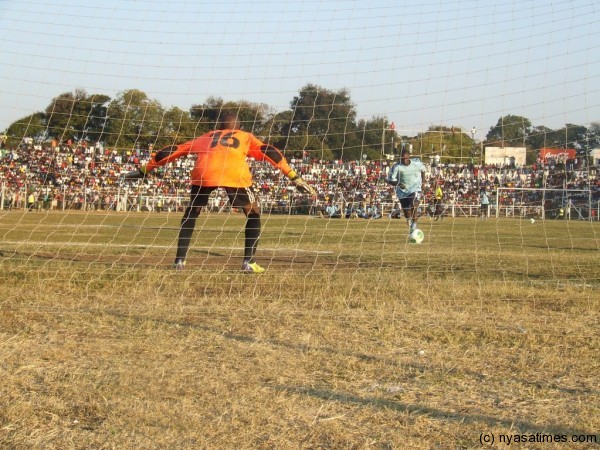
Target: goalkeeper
{"points": [[221, 163]]}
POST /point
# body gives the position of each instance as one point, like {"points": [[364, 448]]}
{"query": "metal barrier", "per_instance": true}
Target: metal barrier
{"points": [[123, 200]]}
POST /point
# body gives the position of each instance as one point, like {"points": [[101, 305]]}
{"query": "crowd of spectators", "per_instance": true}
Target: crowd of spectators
{"points": [[79, 176]]}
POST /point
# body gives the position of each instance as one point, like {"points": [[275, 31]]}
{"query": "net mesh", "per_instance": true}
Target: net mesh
{"points": [[351, 320]]}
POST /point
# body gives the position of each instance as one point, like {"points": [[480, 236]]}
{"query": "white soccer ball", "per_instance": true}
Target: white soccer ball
{"points": [[532, 220], [416, 237]]}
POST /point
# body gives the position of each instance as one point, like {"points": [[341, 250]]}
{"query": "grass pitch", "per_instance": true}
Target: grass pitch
{"points": [[353, 338]]}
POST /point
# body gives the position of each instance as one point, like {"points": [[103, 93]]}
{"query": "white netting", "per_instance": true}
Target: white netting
{"points": [[354, 337]]}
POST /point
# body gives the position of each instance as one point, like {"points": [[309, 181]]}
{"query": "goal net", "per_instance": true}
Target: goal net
{"points": [[354, 336], [546, 203]]}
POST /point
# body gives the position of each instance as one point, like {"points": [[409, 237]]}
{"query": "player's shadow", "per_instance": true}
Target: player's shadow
{"points": [[563, 247], [521, 426], [325, 394], [418, 368]]}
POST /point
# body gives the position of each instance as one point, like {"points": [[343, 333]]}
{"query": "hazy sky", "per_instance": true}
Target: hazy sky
{"points": [[418, 62]]}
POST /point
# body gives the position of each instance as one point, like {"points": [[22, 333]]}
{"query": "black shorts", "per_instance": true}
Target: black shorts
{"points": [[238, 197], [412, 201]]}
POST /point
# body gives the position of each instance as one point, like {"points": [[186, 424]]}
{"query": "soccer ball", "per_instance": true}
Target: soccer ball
{"points": [[416, 237], [532, 220]]}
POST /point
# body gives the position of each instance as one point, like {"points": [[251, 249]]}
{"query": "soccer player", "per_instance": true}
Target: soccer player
{"points": [[437, 204], [484, 201], [407, 176], [221, 163]]}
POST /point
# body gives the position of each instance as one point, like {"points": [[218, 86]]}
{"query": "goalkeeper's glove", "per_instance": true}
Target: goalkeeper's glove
{"points": [[300, 184], [139, 174]]}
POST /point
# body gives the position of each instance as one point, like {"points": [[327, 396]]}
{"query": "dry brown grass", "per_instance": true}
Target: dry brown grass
{"points": [[488, 327]]}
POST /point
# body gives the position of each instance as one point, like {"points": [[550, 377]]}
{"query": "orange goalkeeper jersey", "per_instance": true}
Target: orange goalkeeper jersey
{"points": [[221, 158]]}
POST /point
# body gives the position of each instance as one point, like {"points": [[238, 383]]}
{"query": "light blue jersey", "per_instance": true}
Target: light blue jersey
{"points": [[485, 200], [408, 179]]}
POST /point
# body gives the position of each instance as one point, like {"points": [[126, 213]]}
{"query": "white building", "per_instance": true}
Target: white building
{"points": [[595, 154], [514, 156]]}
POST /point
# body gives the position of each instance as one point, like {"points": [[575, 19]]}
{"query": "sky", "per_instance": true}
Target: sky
{"points": [[461, 63]]}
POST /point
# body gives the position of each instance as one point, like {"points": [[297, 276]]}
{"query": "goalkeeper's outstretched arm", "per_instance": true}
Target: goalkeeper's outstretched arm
{"points": [[160, 158], [300, 183], [167, 154], [276, 158]]}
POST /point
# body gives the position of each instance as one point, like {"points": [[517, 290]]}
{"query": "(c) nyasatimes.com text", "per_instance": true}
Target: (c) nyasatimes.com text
{"points": [[508, 439]]}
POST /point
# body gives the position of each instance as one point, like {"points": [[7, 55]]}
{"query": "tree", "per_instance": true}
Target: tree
{"points": [[133, 120], [569, 136], [376, 137], [96, 123], [297, 143], [32, 126], [61, 117], [329, 116], [76, 116], [451, 144], [252, 115], [510, 131], [305, 145], [176, 126], [576, 136], [593, 137], [538, 137]]}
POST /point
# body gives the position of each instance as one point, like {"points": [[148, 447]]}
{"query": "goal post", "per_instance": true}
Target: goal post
{"points": [[546, 203]]}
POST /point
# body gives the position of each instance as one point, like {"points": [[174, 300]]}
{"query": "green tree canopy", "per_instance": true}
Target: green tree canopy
{"points": [[296, 144], [33, 126], [375, 137], [77, 116], [593, 137], [176, 126], [510, 131], [252, 116], [539, 137], [328, 115], [576, 136], [450, 143], [133, 120], [320, 122]]}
